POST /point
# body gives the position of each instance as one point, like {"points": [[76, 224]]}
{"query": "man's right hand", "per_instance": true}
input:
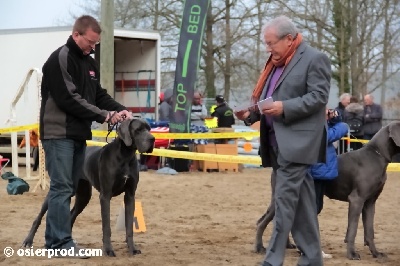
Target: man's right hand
{"points": [[242, 115]]}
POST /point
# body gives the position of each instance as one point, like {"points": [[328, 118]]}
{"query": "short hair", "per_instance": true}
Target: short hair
{"points": [[283, 25], [370, 96], [353, 99], [344, 95], [83, 23]]}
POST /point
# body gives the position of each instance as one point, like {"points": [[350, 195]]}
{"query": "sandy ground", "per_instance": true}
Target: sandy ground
{"points": [[198, 219]]}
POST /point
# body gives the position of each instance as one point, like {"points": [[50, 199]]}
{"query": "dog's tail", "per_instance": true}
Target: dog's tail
{"points": [[261, 218]]}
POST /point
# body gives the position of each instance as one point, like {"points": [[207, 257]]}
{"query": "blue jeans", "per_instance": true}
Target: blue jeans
{"points": [[64, 162]]}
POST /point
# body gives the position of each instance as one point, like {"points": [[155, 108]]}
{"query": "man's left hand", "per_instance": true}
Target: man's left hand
{"points": [[275, 110]]}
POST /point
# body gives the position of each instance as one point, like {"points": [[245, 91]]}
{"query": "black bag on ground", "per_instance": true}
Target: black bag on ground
{"points": [[15, 185], [178, 164]]}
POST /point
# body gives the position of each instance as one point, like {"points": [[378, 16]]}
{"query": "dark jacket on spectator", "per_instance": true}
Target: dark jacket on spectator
{"points": [[340, 108], [354, 110], [372, 118], [225, 115]]}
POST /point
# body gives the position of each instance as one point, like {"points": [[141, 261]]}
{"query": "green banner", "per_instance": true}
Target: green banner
{"points": [[187, 63]]}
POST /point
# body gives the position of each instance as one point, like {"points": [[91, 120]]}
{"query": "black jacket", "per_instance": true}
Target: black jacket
{"points": [[72, 97], [264, 153], [225, 115]]}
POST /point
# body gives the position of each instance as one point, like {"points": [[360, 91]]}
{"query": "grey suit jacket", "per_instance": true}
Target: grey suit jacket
{"points": [[304, 90]]}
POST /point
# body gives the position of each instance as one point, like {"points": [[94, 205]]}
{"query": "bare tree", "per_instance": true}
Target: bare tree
{"points": [[360, 37]]}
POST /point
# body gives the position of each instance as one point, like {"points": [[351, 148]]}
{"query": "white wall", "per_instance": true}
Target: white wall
{"points": [[19, 52]]}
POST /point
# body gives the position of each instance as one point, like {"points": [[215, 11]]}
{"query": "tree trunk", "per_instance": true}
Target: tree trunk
{"points": [[209, 58], [228, 45]]}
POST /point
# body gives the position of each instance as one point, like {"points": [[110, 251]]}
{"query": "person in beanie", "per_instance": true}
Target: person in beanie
{"points": [[223, 112]]}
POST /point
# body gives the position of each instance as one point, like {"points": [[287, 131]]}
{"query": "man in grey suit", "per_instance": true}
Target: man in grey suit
{"points": [[292, 135]]}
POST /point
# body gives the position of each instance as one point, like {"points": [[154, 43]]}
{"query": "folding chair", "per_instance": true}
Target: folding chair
{"points": [[5, 161]]}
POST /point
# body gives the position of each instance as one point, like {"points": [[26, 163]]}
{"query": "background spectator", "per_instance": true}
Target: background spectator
{"points": [[354, 117], [199, 111], [34, 143], [344, 100], [223, 112], [165, 108], [372, 117]]}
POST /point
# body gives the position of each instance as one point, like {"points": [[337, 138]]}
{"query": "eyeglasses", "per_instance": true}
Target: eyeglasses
{"points": [[271, 45], [91, 43]]}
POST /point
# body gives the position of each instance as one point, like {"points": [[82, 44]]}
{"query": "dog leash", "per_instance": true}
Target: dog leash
{"points": [[111, 126], [110, 129]]}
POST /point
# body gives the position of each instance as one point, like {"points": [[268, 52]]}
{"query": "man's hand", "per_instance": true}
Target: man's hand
{"points": [[113, 117], [125, 114], [242, 115], [275, 110]]}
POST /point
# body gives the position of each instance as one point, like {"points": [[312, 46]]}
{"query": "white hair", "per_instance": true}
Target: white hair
{"points": [[343, 96], [283, 25]]}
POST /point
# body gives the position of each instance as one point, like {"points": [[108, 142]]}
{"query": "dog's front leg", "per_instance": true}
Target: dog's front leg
{"points": [[355, 207], [105, 221], [129, 200], [368, 222]]}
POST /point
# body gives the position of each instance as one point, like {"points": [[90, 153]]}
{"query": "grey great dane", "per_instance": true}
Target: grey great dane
{"points": [[362, 176], [111, 170]]}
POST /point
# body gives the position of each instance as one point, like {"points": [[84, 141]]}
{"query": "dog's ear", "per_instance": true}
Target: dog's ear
{"points": [[394, 132], [123, 132]]}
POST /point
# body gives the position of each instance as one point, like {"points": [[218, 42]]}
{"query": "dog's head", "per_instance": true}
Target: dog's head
{"points": [[394, 134], [136, 133]]}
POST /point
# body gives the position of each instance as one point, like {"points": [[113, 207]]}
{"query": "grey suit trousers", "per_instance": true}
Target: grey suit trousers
{"points": [[295, 211]]}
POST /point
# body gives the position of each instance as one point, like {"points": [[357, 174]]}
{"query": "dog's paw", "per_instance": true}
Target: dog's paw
{"points": [[27, 243], [353, 256], [136, 252], [109, 253], [379, 255], [259, 248]]}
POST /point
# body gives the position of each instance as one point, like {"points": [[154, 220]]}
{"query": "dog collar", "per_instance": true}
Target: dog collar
{"points": [[382, 156]]}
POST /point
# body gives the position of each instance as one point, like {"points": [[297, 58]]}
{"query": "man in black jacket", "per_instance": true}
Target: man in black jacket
{"points": [[372, 117], [72, 98], [223, 112]]}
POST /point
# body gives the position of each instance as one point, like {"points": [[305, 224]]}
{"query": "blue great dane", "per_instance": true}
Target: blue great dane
{"points": [[362, 176], [111, 170]]}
